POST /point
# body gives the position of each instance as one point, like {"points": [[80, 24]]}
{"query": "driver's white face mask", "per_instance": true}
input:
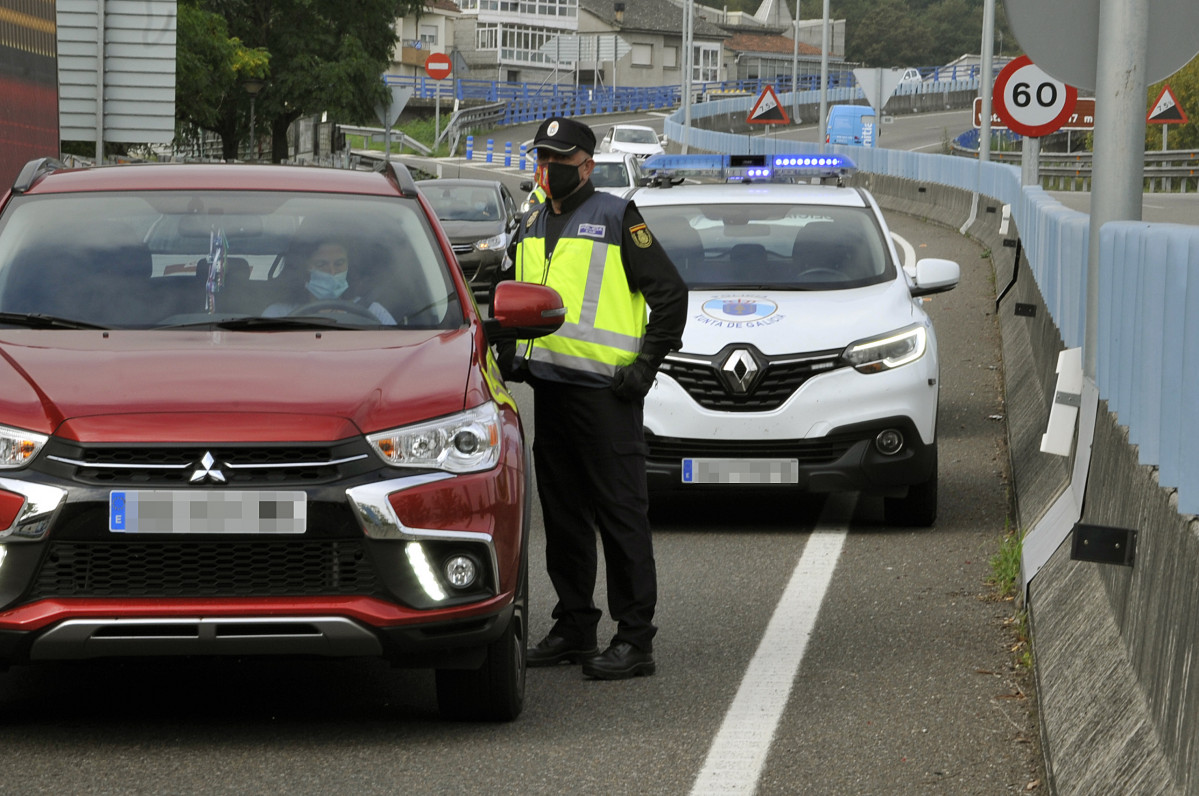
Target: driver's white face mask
{"points": [[327, 286]]}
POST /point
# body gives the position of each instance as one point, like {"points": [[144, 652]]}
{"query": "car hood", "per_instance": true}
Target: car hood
{"points": [[788, 322], [641, 150], [186, 386], [471, 231], [619, 190]]}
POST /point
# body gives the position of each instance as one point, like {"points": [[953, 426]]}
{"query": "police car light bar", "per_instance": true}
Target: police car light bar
{"points": [[749, 168]]}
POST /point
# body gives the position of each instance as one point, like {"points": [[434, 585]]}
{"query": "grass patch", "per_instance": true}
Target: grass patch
{"points": [[1005, 578], [423, 130]]}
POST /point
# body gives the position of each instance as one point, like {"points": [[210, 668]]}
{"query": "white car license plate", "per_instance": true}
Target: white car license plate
{"points": [[207, 511], [740, 471]]}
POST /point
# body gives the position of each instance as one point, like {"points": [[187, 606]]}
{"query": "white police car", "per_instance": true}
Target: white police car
{"points": [[807, 361]]}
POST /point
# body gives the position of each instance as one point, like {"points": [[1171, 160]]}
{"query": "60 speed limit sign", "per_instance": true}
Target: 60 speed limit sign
{"points": [[1029, 101]]}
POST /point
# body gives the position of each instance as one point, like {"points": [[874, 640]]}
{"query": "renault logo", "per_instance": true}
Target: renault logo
{"points": [[740, 371], [206, 472]]}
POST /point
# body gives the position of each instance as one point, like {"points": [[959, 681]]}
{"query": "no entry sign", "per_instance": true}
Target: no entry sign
{"points": [[438, 66]]}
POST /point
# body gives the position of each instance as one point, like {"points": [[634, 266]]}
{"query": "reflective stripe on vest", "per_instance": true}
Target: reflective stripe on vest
{"points": [[605, 320]]}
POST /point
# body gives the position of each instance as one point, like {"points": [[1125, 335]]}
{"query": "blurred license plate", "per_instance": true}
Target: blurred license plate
{"points": [[740, 471], [207, 511]]}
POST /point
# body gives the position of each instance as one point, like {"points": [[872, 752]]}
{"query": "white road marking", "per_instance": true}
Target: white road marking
{"points": [[739, 751], [909, 251]]}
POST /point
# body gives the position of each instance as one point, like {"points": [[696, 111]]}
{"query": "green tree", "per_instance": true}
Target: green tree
{"points": [[324, 56], [1184, 85], [210, 68]]}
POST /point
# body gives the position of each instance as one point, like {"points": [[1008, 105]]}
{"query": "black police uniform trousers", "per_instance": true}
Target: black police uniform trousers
{"points": [[589, 453]]}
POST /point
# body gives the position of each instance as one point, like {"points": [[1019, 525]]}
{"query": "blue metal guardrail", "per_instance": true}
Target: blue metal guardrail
{"points": [[1147, 358], [528, 102]]}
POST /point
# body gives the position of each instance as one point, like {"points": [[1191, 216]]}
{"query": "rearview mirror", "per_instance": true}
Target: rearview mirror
{"points": [[524, 310], [934, 275]]}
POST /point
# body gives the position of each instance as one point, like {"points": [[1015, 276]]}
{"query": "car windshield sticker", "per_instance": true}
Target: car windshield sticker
{"points": [[739, 312], [641, 236], [592, 230], [218, 250]]}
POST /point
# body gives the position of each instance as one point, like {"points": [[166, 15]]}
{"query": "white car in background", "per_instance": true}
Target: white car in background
{"points": [[614, 173], [633, 139], [617, 173], [808, 362]]}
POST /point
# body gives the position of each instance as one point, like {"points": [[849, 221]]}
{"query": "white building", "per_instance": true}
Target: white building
{"points": [[576, 42]]}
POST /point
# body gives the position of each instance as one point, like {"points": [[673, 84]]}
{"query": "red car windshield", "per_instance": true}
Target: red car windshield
{"points": [[163, 259]]}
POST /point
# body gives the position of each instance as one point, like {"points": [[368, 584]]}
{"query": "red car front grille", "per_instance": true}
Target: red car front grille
{"points": [[204, 569]]}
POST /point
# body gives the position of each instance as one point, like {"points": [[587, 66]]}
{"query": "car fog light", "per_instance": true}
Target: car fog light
{"points": [[461, 571], [889, 442]]}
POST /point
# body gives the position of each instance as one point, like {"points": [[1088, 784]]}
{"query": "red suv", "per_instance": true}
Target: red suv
{"points": [[253, 410]]}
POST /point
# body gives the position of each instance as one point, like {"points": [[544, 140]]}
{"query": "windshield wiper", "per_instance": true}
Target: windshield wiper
{"points": [[37, 320], [265, 324]]}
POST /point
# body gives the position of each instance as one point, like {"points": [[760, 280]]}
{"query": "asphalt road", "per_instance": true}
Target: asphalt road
{"points": [[804, 648]]}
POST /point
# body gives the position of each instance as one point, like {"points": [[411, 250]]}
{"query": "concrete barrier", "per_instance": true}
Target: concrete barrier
{"points": [[1114, 646]]}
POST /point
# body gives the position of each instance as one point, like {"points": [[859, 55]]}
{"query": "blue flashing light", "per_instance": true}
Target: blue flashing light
{"points": [[666, 162], [742, 168]]}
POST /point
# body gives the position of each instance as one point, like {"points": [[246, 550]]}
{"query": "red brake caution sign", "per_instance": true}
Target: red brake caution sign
{"points": [[768, 109]]}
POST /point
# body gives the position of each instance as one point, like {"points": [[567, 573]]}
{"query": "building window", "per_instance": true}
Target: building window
{"points": [[487, 36], [707, 63], [643, 55], [670, 57], [428, 34], [540, 8], [521, 44]]}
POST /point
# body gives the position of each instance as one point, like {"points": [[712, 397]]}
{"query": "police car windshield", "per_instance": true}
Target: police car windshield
{"points": [[782, 247]]}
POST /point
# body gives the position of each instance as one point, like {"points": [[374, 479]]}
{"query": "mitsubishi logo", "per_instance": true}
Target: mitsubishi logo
{"points": [[205, 471], [740, 371]]}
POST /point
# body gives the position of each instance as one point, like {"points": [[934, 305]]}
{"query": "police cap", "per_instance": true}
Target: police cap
{"points": [[564, 135]]}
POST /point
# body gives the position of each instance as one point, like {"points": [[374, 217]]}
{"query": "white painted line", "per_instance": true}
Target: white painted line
{"points": [[909, 252], [739, 751]]}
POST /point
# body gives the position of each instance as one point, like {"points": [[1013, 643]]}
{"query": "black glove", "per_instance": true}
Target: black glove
{"points": [[632, 382], [505, 355]]}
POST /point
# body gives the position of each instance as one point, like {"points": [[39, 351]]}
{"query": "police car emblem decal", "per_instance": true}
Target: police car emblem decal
{"points": [[739, 308], [592, 230], [641, 236]]}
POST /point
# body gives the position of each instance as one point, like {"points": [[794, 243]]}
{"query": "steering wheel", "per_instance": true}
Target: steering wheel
{"points": [[826, 271], [335, 305]]}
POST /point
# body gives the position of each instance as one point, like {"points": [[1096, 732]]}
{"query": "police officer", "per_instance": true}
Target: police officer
{"points": [[589, 382]]}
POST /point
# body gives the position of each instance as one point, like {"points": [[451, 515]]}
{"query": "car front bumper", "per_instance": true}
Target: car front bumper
{"points": [[821, 439]]}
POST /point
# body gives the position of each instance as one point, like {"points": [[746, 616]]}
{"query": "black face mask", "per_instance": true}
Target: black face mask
{"points": [[561, 179]]}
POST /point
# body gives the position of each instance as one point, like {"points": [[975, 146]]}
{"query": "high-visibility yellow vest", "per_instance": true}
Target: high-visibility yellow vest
{"points": [[605, 318]]}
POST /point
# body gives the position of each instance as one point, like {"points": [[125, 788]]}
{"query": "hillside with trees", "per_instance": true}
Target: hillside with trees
{"points": [[903, 32]]}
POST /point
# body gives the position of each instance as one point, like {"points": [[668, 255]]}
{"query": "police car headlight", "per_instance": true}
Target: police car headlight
{"points": [[463, 443], [18, 447], [889, 351], [493, 243]]}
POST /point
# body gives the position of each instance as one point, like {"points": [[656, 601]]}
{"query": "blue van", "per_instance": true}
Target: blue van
{"points": [[851, 124]]}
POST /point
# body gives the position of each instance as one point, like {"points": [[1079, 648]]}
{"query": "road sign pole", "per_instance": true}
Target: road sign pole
{"points": [[437, 113], [986, 81], [1116, 189], [1030, 161]]}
